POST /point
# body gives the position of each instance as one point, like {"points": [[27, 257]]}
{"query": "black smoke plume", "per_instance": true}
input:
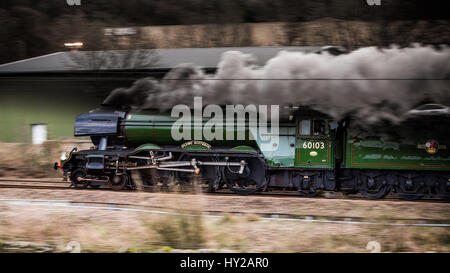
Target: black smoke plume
{"points": [[371, 85]]}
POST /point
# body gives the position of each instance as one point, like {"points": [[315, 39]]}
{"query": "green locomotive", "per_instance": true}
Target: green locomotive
{"points": [[314, 153]]}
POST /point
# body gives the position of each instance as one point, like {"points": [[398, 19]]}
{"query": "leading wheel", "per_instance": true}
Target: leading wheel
{"points": [[251, 180], [76, 179]]}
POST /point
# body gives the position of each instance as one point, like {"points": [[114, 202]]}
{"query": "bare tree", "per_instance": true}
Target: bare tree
{"points": [[293, 34], [113, 59], [216, 35], [23, 34]]}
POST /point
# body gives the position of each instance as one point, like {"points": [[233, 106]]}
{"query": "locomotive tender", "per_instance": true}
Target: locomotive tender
{"points": [[314, 154]]}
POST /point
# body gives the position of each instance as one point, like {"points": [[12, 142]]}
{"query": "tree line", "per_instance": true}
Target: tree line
{"points": [[31, 28]]}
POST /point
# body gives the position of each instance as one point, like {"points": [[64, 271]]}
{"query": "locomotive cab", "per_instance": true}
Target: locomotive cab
{"points": [[315, 142]]}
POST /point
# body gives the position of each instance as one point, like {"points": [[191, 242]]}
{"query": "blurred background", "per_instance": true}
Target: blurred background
{"points": [[61, 58]]}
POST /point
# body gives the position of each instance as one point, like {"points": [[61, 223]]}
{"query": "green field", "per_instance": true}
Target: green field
{"points": [[55, 102]]}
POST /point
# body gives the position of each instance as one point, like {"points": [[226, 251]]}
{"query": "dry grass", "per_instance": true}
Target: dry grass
{"points": [[114, 231], [183, 232], [27, 160]]}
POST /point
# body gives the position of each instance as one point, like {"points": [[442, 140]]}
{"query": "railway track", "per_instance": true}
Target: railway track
{"points": [[217, 213], [33, 184], [57, 184]]}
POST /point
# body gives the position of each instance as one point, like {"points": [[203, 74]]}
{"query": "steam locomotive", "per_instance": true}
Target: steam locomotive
{"points": [[314, 154]]}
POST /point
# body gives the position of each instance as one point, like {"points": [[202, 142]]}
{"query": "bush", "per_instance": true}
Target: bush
{"points": [[181, 231]]}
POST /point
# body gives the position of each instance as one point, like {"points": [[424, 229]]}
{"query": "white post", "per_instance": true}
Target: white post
{"points": [[38, 133]]}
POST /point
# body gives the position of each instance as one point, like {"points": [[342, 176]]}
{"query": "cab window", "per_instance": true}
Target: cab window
{"points": [[304, 127], [319, 127]]}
